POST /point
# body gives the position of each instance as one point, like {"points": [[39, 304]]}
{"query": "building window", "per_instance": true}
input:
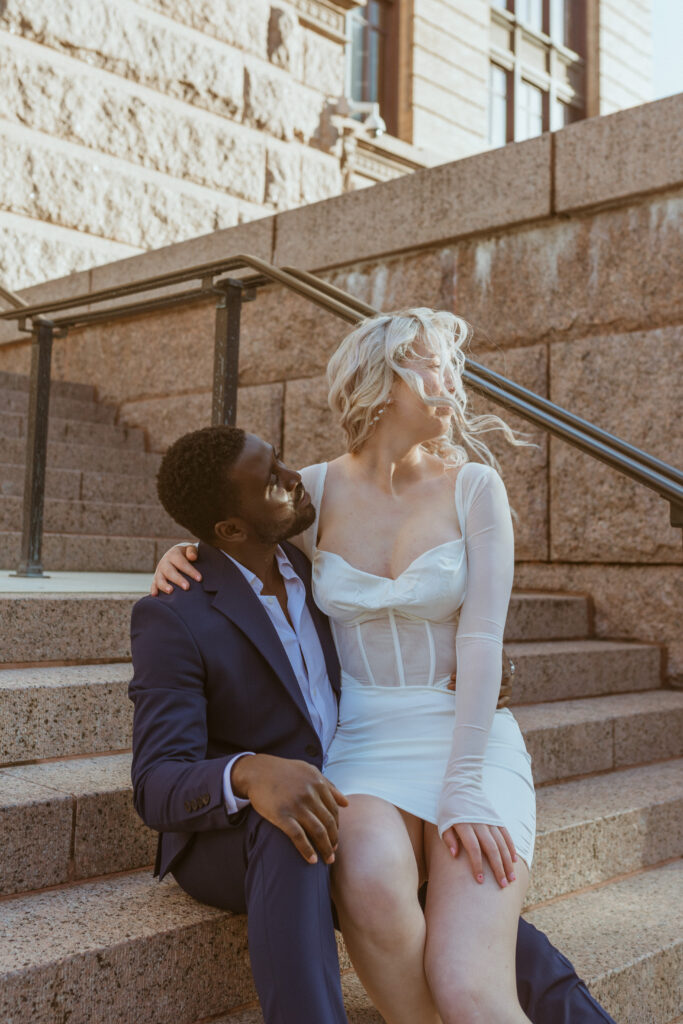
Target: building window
{"points": [[537, 51], [372, 55]]}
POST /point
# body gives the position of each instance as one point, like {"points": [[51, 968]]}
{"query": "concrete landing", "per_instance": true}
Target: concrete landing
{"points": [[76, 583]]}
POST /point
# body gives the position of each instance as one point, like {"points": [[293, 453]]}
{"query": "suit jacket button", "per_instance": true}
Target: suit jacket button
{"points": [[194, 805], [188, 806], [311, 749]]}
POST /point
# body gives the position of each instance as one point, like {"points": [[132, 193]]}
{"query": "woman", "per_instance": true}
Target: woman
{"points": [[412, 553]]}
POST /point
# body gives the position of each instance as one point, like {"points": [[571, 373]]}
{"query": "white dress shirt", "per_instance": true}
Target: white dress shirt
{"points": [[302, 647]]}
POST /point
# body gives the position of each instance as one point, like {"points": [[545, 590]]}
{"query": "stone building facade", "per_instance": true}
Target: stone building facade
{"points": [[133, 125]]}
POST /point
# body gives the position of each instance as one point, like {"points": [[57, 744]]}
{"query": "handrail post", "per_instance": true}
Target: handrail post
{"points": [[227, 351], [30, 563]]}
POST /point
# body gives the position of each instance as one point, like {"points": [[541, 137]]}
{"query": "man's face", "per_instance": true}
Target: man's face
{"points": [[274, 504]]}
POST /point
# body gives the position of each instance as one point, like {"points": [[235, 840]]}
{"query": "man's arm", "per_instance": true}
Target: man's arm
{"points": [[176, 788]]}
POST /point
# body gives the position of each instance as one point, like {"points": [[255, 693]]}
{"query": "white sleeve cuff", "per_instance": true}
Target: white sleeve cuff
{"points": [[233, 803]]}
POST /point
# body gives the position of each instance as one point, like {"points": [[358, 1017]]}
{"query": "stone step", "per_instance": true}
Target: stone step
{"points": [[63, 408], [122, 949], [59, 712], [43, 703], [563, 669], [107, 435], [74, 485], [74, 819], [590, 830], [598, 734], [57, 627], [58, 388], [78, 552], [111, 519], [86, 457], [626, 941]]}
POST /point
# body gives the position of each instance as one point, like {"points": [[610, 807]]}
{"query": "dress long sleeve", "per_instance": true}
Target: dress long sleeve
{"points": [[490, 566]]}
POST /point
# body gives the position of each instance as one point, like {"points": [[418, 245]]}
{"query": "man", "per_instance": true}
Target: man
{"points": [[235, 688]]}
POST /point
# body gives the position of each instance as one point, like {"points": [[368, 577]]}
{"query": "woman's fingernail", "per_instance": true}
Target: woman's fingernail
{"points": [[503, 882], [512, 878], [480, 878], [452, 849]]}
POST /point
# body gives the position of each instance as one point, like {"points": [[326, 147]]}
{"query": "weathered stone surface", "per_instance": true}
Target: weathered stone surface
{"points": [[135, 45], [196, 146], [593, 829], [36, 828], [233, 21], [55, 186], [285, 41], [629, 384], [320, 176], [82, 456], [625, 941], [129, 960], [259, 410], [106, 519], [524, 469], [417, 279], [429, 207], [570, 276], [608, 158], [283, 177], [575, 737], [30, 251], [323, 64], [157, 354], [254, 238], [57, 712], [631, 602], [276, 104], [311, 433], [286, 336]]}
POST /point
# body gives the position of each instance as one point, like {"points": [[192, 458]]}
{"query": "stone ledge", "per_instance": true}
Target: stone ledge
{"points": [[606, 159], [428, 208]]}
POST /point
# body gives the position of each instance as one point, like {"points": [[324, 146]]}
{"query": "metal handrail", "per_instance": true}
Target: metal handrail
{"points": [[665, 480]]}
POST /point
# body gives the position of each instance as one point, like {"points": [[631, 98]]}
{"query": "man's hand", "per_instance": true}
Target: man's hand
{"points": [[296, 798]]}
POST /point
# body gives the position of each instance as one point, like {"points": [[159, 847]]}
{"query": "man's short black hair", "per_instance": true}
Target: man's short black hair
{"points": [[193, 482]]}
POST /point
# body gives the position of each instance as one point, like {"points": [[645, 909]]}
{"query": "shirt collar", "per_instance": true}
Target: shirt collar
{"points": [[284, 565]]}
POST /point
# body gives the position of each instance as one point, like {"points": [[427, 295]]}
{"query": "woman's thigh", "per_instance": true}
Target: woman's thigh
{"points": [[471, 927], [380, 853]]}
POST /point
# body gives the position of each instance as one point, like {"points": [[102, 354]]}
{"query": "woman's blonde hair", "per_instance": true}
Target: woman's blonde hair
{"points": [[362, 371]]}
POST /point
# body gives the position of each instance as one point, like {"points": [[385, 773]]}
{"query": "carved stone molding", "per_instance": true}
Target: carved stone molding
{"points": [[326, 16]]}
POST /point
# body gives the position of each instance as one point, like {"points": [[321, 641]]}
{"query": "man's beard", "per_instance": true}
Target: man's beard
{"points": [[273, 533]]}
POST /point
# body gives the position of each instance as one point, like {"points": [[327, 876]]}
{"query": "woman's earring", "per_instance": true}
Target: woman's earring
{"points": [[381, 410]]}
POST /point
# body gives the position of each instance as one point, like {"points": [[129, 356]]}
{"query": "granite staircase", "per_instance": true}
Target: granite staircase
{"points": [[101, 509], [88, 937]]}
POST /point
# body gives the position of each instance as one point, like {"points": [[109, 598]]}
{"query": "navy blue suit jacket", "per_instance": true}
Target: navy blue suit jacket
{"points": [[211, 678]]}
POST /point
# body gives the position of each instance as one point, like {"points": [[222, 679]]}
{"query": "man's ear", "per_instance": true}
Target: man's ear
{"points": [[231, 530]]}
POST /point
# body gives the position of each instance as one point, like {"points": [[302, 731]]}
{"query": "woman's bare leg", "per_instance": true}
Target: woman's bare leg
{"points": [[471, 938], [375, 881]]}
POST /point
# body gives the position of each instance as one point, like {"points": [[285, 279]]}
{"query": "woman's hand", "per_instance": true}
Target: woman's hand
{"points": [[479, 841], [173, 564]]}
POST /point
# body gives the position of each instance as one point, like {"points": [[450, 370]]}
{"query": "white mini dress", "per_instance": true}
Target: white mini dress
{"points": [[403, 735]]}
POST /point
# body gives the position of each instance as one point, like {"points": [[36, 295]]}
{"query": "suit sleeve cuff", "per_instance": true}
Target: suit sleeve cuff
{"points": [[233, 803]]}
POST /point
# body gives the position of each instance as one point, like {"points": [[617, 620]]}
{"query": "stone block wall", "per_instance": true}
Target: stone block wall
{"points": [[128, 126], [564, 252]]}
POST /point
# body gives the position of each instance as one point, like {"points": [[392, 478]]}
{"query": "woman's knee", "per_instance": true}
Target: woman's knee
{"points": [[374, 883]]}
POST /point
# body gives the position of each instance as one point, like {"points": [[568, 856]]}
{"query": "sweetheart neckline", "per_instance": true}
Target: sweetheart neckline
{"points": [[386, 579]]}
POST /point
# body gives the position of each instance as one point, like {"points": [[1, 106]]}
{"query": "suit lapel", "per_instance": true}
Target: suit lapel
{"points": [[235, 599]]}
